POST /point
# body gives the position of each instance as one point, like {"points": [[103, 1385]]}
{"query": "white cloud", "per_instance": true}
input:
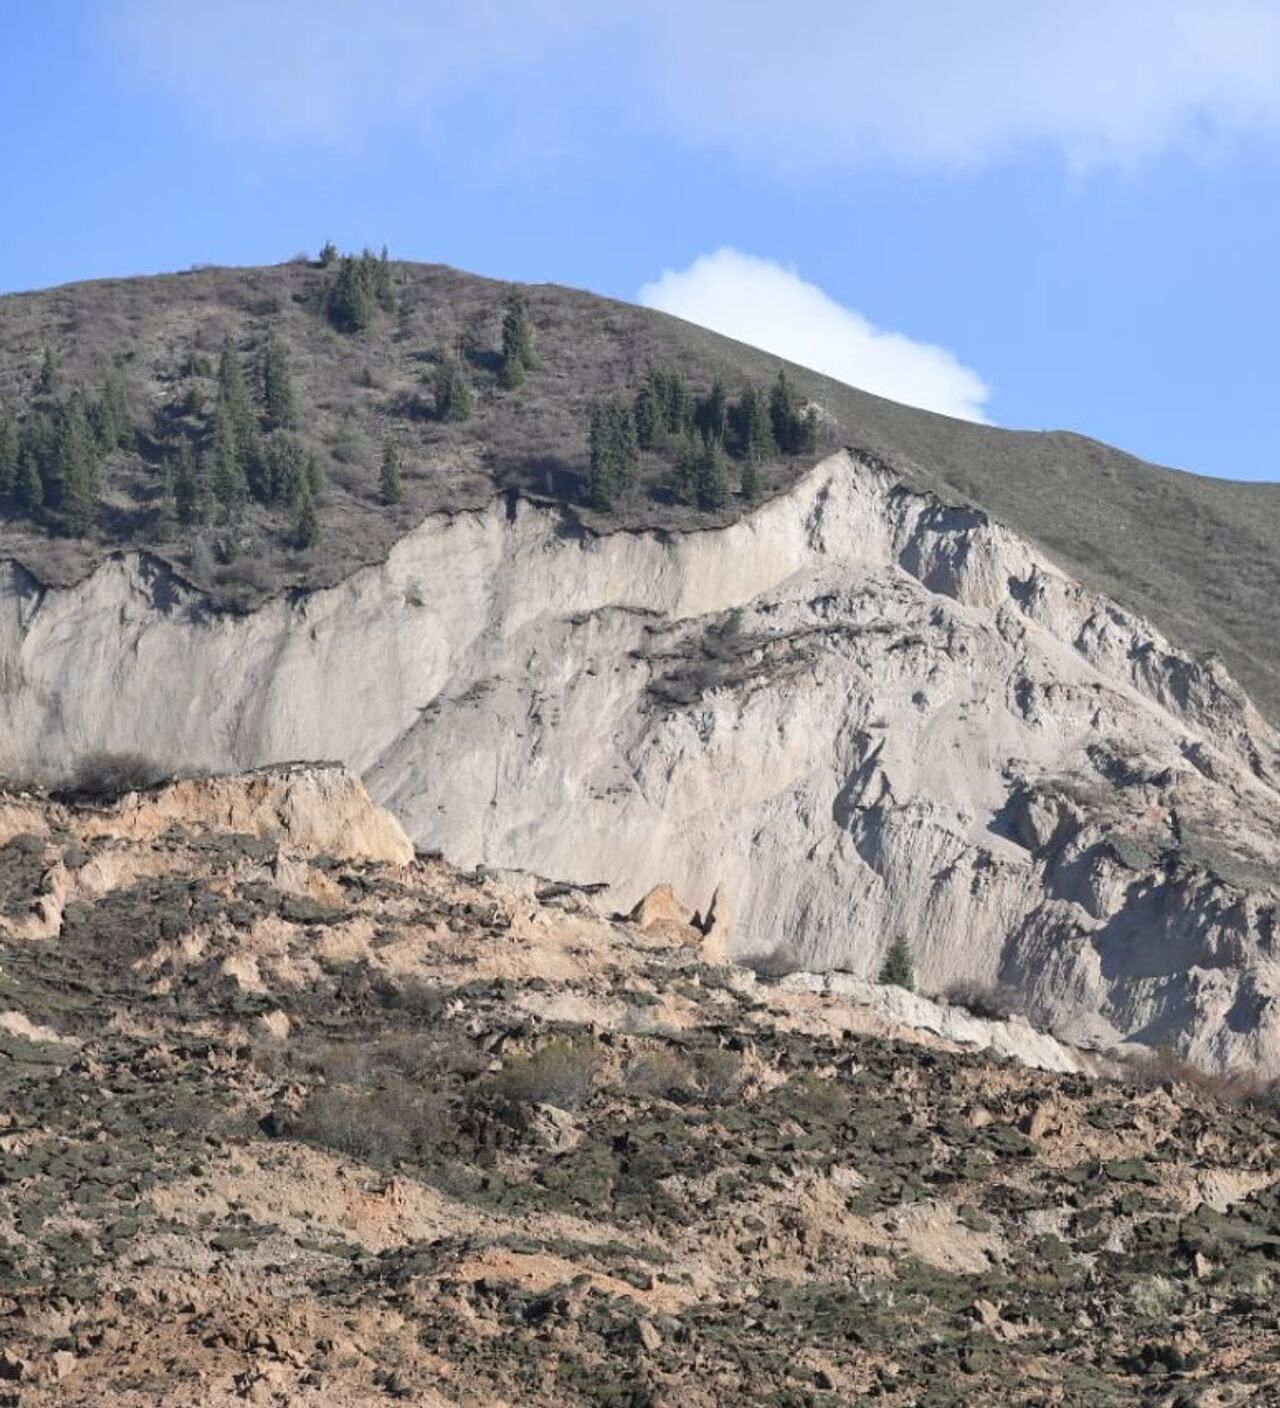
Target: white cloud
{"points": [[816, 83], [760, 302]]}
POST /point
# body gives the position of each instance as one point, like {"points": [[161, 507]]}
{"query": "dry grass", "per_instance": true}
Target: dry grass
{"points": [[1200, 558]]}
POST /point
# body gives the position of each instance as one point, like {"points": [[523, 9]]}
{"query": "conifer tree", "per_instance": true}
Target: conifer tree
{"points": [[755, 432], [190, 498], [48, 377], [76, 453], [517, 340], [785, 414], [688, 463], [284, 469], [391, 480], [350, 299], [112, 422], [615, 454], [454, 399], [809, 433], [317, 480], [713, 476], [29, 485], [750, 480], [649, 415], [679, 403], [277, 386], [309, 532], [9, 451], [230, 484], [898, 970], [712, 416], [233, 394], [328, 254], [164, 516], [383, 286]]}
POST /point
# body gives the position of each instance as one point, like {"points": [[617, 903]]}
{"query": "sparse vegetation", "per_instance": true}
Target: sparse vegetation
{"points": [[105, 775]]}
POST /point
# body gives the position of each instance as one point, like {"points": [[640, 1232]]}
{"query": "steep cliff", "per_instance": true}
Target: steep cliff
{"points": [[858, 710]]}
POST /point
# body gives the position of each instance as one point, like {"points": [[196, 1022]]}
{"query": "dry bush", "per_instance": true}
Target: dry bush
{"points": [[562, 1073], [104, 775], [1240, 1086], [997, 1002], [398, 1121], [712, 1073]]}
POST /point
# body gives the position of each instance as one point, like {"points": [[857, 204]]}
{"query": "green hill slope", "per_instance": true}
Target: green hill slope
{"points": [[1199, 557]]}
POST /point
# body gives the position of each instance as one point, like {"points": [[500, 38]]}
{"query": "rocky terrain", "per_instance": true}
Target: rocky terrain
{"points": [[857, 711], [292, 1115], [901, 690]]}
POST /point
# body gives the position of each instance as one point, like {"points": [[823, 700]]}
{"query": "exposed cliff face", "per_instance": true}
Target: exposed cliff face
{"points": [[860, 711]]}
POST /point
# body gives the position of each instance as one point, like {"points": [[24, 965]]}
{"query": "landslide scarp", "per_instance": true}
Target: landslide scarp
{"points": [[1198, 557]]}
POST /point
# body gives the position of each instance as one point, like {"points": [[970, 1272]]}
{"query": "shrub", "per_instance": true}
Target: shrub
{"points": [[562, 1073], [397, 1122], [995, 1001], [713, 1073], [105, 775]]}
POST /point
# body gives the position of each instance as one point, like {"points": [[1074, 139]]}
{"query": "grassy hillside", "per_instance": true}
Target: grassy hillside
{"points": [[1199, 557]]}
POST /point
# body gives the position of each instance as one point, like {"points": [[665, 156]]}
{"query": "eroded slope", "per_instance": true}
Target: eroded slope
{"points": [[287, 1125]]}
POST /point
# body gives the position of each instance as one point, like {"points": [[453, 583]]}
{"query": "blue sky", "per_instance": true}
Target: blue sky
{"points": [[1055, 215]]}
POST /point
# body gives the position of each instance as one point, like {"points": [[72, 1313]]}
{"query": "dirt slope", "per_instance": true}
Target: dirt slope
{"points": [[287, 1128]]}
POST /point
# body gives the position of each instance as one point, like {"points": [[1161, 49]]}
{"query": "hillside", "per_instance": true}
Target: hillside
{"points": [[1200, 558], [291, 1115]]}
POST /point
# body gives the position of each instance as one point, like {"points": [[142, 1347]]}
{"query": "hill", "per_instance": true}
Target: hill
{"points": [[1198, 557], [292, 1115]]}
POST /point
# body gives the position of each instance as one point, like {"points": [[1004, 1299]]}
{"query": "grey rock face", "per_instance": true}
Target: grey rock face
{"points": [[859, 711]]}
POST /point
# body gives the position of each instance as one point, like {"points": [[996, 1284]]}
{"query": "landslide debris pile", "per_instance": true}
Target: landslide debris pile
{"points": [[285, 1123]]}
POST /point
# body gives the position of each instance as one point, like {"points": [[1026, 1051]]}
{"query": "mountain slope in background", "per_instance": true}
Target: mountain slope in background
{"points": [[857, 709], [1198, 557]]}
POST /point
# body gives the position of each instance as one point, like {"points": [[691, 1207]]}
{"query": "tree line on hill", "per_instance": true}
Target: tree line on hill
{"points": [[706, 438]]}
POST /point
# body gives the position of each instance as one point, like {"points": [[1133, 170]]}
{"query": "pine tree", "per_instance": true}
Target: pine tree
{"points": [[76, 453], [350, 298], [29, 485], [233, 394], [454, 399], [755, 433], [284, 470], [615, 454], [317, 480], [517, 340], [277, 386], [391, 481], [112, 421], [897, 969], [649, 415], [9, 451], [383, 287], [309, 533], [688, 463], [750, 481], [189, 494], [795, 429], [230, 483], [712, 417], [679, 403], [328, 254], [713, 476], [164, 516], [48, 377]]}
